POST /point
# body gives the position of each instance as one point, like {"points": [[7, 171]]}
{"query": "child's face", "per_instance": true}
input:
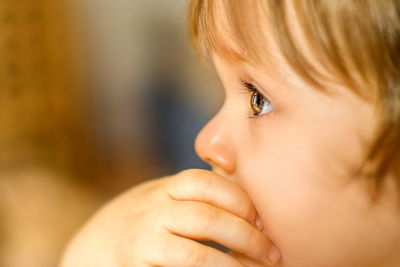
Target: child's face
{"points": [[294, 163]]}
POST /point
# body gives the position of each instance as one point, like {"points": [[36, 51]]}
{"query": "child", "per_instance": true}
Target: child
{"points": [[304, 150]]}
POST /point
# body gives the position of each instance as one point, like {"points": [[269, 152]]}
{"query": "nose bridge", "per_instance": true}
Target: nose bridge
{"points": [[214, 144]]}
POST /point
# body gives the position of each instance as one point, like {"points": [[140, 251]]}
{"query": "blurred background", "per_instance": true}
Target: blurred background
{"points": [[95, 97]]}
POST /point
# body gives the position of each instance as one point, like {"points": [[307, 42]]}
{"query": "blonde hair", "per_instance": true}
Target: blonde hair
{"points": [[358, 40]]}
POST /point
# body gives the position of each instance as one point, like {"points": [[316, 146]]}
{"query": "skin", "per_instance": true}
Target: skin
{"points": [[295, 161], [156, 224], [290, 167]]}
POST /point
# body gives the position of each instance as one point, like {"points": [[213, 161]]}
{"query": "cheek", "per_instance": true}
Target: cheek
{"points": [[300, 198], [292, 210]]}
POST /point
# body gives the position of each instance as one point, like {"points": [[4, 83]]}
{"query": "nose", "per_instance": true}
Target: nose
{"points": [[214, 145]]}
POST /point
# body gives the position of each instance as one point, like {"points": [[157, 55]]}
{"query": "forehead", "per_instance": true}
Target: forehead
{"points": [[223, 35], [247, 32], [238, 34]]}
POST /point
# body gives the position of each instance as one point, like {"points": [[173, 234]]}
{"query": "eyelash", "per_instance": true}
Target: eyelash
{"points": [[251, 88]]}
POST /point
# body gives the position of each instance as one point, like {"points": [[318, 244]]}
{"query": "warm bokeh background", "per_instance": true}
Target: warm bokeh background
{"points": [[95, 97]]}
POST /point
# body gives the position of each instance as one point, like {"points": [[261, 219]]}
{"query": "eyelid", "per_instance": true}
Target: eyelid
{"points": [[262, 91], [253, 86]]}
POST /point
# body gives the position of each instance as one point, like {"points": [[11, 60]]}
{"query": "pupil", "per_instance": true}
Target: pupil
{"points": [[257, 102]]}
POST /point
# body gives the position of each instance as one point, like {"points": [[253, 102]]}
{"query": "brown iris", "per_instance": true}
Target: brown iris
{"points": [[257, 103]]}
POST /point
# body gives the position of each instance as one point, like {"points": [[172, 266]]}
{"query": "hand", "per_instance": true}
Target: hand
{"points": [[158, 223]]}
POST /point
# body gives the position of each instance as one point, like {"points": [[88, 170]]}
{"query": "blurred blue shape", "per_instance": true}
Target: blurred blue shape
{"points": [[174, 123]]}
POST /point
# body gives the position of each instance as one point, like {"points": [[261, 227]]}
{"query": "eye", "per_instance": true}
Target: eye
{"points": [[258, 102]]}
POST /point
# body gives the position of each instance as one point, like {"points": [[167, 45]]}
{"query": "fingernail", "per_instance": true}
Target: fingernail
{"points": [[259, 224], [273, 255]]}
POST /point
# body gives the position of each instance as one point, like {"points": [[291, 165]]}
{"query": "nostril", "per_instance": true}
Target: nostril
{"points": [[209, 161]]}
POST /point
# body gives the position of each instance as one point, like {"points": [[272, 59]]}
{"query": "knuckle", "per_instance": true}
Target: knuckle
{"points": [[198, 179], [205, 218], [196, 257], [189, 177], [212, 217], [192, 173], [183, 183], [253, 240], [244, 208]]}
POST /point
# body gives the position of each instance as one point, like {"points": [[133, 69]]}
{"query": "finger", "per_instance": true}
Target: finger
{"points": [[202, 221], [209, 187], [177, 251], [245, 260]]}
